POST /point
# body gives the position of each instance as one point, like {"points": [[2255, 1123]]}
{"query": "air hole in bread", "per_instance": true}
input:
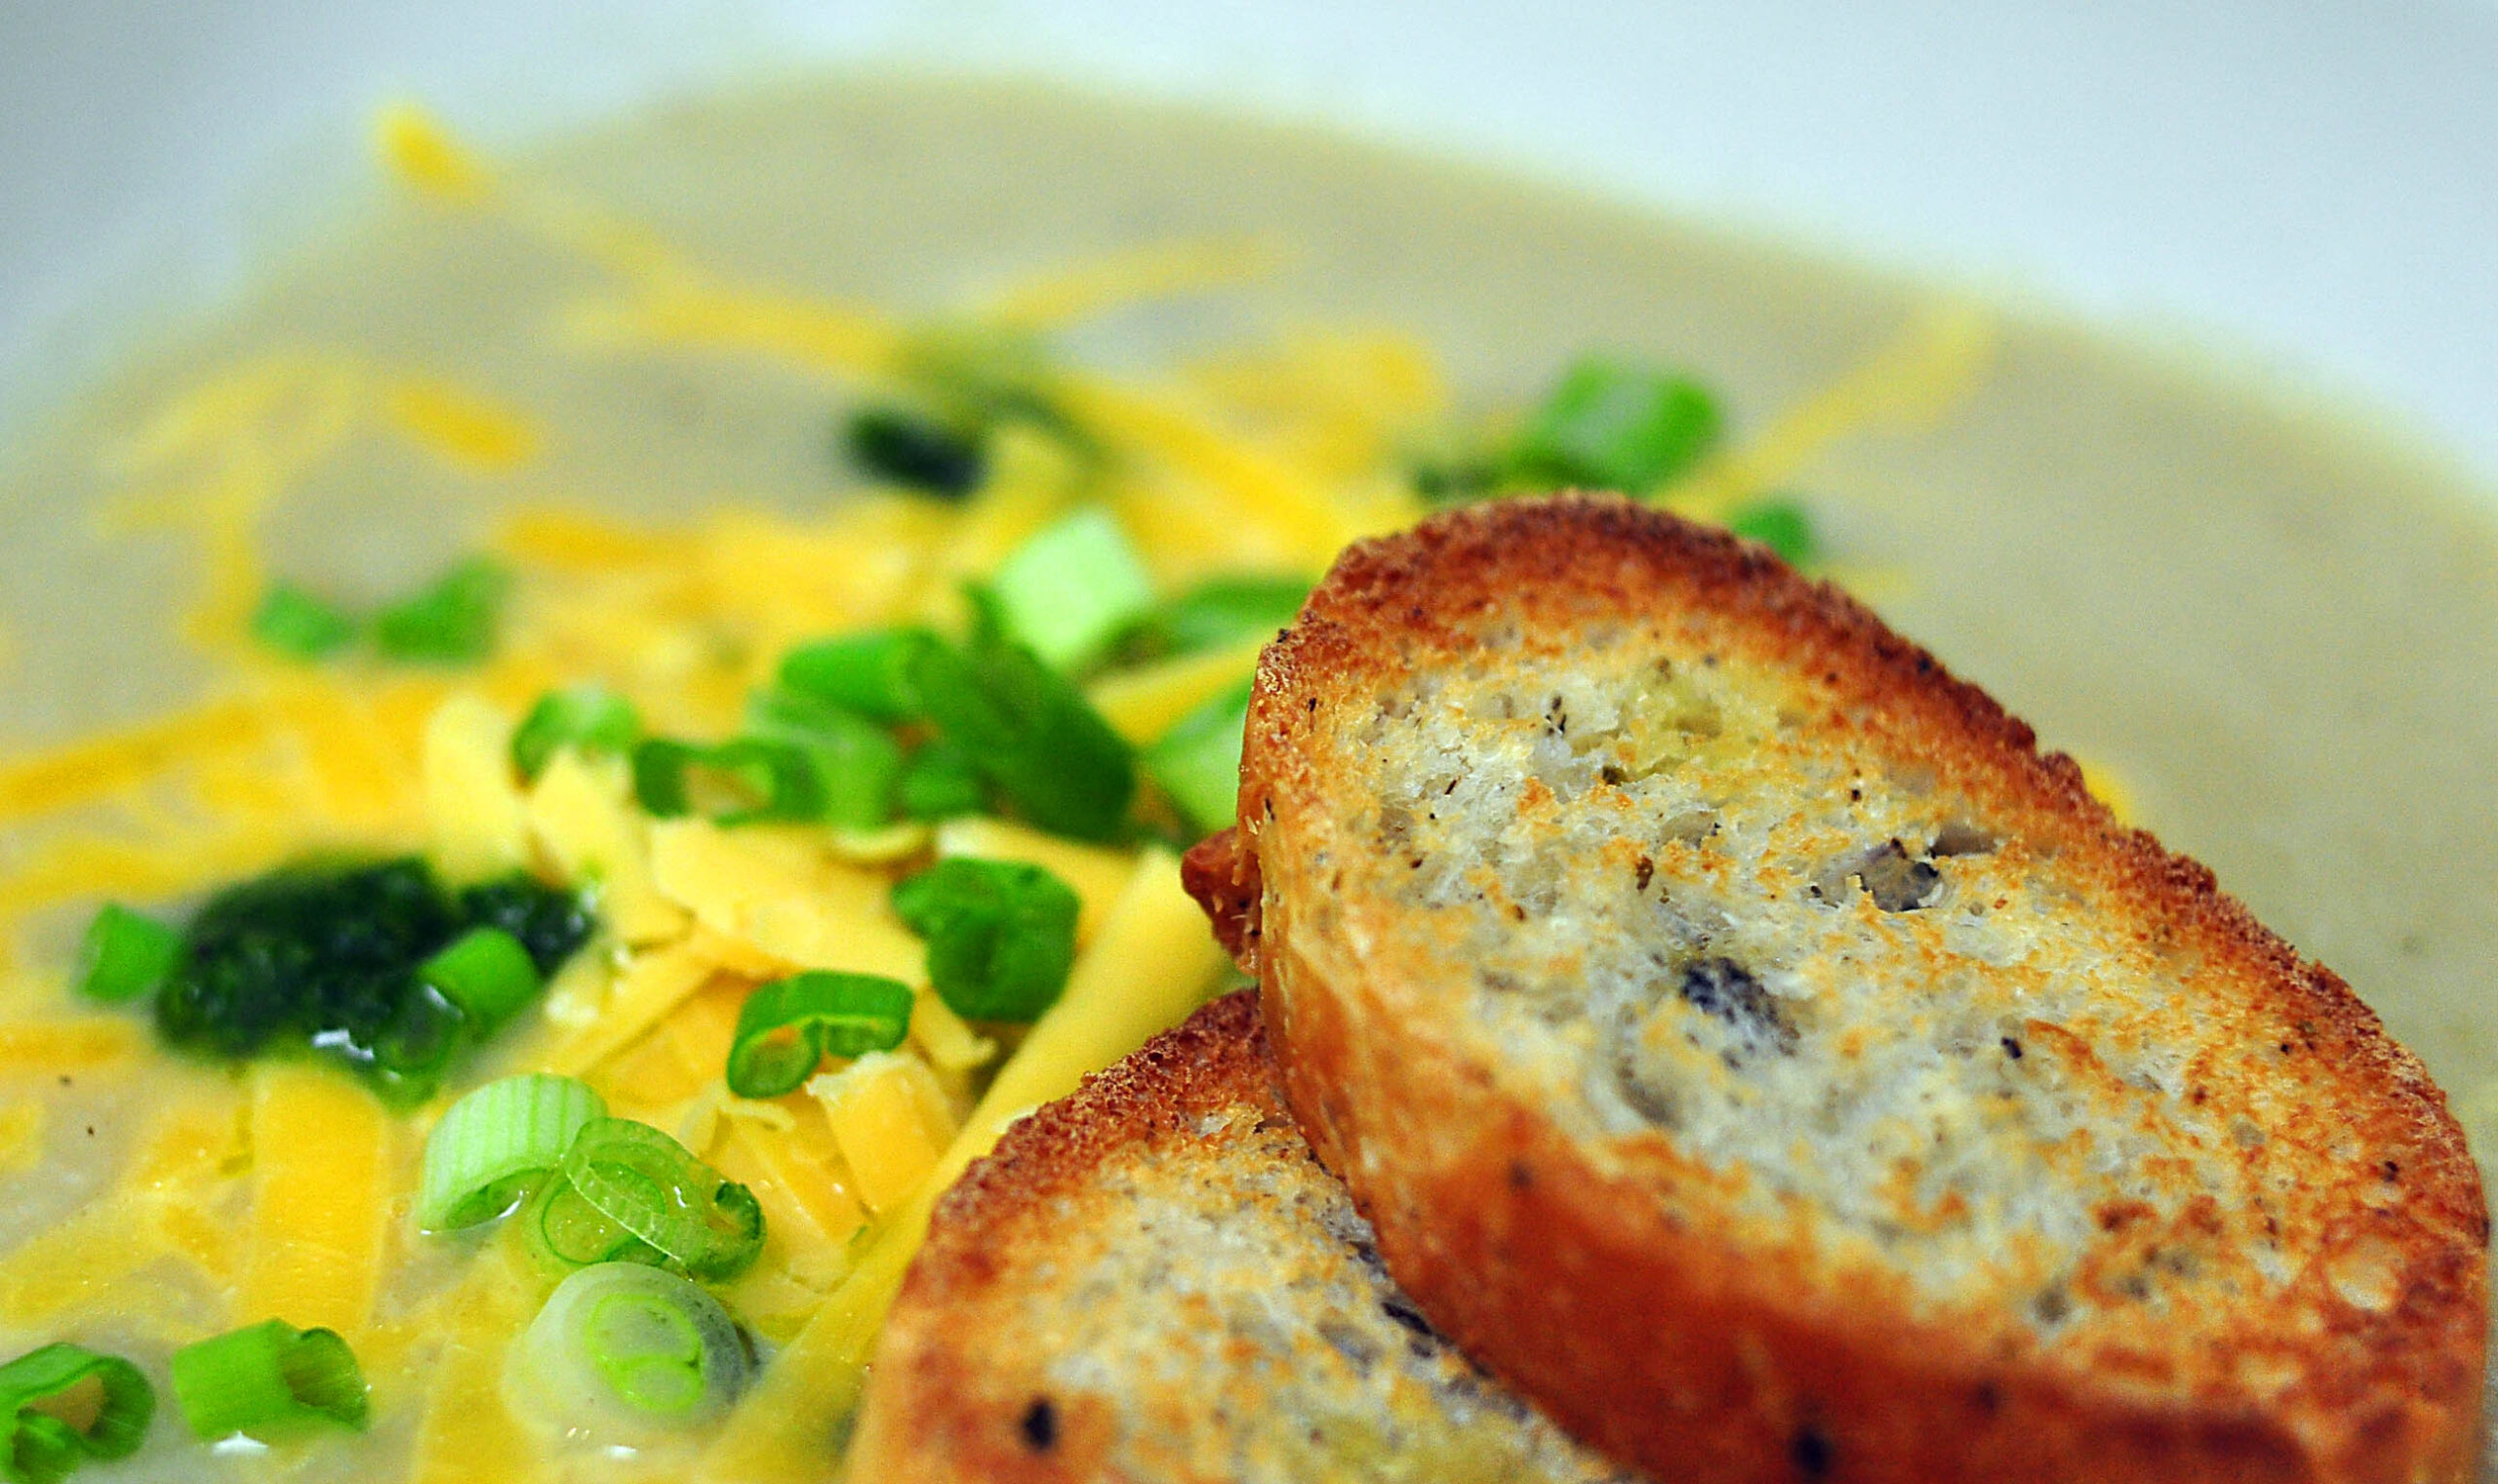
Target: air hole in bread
{"points": [[1959, 837], [1897, 881], [1359, 1350]]}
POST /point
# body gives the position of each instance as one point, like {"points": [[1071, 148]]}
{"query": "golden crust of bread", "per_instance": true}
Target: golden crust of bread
{"points": [[1153, 1279], [2283, 1280]]}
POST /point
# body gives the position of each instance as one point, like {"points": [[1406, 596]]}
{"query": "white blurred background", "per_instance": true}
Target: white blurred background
{"points": [[2311, 188]]}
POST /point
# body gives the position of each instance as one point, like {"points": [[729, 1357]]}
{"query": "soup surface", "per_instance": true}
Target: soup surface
{"points": [[2266, 631]]}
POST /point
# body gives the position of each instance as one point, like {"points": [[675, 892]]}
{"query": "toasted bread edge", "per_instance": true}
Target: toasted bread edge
{"points": [[1562, 1279]]}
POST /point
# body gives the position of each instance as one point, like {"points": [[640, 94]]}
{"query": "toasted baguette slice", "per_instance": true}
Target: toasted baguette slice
{"points": [[1752, 1048], [1153, 1280]]}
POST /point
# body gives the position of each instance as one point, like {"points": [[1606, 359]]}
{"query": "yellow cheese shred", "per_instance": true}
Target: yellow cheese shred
{"points": [[880, 1122], [321, 1157], [74, 867], [202, 1237], [477, 816], [1152, 964], [461, 427], [655, 983], [580, 818], [810, 1210], [565, 540], [2111, 787], [22, 1125], [684, 309], [228, 451], [468, 1434], [98, 767], [1155, 271], [418, 150], [1931, 366], [83, 1260], [29, 1047], [783, 895], [1143, 703], [1271, 504]]}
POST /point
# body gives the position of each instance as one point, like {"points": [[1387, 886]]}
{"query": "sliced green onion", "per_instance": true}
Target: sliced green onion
{"points": [[1620, 426], [486, 973], [53, 1424], [450, 620], [549, 922], [1031, 733], [761, 780], [494, 1142], [563, 1226], [412, 1050], [1001, 935], [1457, 480], [267, 1376], [941, 782], [789, 1026], [590, 717], [915, 451], [858, 763], [623, 1354], [1197, 762], [42, 1449], [1781, 525], [295, 623], [126, 956], [1216, 613], [981, 378], [1071, 585], [867, 673], [654, 1188]]}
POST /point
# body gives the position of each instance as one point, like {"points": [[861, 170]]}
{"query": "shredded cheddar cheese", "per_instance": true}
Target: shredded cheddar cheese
{"points": [[321, 1149], [462, 426], [21, 1126]]}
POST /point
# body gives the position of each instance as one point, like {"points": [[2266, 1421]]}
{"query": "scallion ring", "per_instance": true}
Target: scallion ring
{"points": [[589, 718], [623, 1354], [766, 779], [867, 672], [1036, 740], [126, 956], [564, 1228], [654, 1187], [857, 762], [1001, 935], [450, 620], [495, 1141], [790, 1024], [64, 1404], [486, 973], [1072, 585], [267, 1376]]}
